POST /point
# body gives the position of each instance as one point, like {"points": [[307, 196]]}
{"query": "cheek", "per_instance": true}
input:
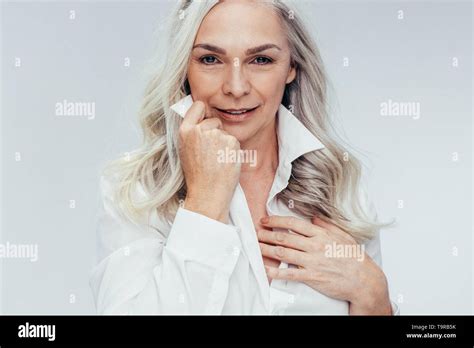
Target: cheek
{"points": [[203, 82], [204, 85], [269, 83]]}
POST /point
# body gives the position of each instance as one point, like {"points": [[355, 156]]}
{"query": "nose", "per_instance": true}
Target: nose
{"points": [[236, 83]]}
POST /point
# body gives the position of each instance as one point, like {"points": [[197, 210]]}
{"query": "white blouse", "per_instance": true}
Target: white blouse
{"points": [[197, 265]]}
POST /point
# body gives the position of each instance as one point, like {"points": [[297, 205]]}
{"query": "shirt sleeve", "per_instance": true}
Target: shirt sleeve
{"points": [[144, 270]]}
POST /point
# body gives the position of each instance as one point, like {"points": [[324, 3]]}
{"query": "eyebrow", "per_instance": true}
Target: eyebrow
{"points": [[249, 51]]}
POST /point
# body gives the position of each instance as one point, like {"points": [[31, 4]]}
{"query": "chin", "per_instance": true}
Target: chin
{"points": [[241, 136], [238, 135]]}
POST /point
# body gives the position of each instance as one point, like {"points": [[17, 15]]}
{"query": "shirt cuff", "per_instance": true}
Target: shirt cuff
{"points": [[199, 238], [395, 308]]}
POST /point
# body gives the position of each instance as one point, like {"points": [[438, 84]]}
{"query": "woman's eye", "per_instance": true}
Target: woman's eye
{"points": [[208, 60], [263, 60], [211, 60]]}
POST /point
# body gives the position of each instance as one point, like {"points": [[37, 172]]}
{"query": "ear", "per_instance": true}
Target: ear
{"points": [[291, 73]]}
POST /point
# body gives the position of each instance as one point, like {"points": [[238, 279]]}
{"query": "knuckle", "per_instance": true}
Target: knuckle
{"points": [[281, 237], [198, 128], [280, 251], [234, 142], [291, 275], [317, 245], [214, 133]]}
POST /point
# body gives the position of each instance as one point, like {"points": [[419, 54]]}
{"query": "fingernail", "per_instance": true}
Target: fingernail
{"points": [[264, 220]]}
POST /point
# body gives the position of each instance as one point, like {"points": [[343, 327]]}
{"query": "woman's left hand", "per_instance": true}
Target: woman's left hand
{"points": [[315, 249]]}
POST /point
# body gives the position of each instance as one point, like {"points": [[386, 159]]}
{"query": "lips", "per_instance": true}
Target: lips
{"points": [[237, 111], [236, 115]]}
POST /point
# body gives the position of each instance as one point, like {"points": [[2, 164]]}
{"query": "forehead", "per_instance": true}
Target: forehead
{"points": [[241, 23]]}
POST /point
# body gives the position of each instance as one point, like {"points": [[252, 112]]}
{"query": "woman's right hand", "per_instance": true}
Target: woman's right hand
{"points": [[210, 180]]}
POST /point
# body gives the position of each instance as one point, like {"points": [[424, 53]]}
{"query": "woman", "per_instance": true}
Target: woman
{"points": [[188, 228]]}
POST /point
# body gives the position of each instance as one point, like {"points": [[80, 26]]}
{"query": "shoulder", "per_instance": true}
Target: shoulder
{"points": [[111, 211], [109, 190]]}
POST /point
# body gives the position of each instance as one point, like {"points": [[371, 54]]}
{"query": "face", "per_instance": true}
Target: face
{"points": [[241, 60]]}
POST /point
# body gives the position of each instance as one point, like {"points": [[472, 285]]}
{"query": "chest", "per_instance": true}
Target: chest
{"points": [[256, 200]]}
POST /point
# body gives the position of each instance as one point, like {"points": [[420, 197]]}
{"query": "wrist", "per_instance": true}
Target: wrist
{"points": [[208, 208], [374, 298]]}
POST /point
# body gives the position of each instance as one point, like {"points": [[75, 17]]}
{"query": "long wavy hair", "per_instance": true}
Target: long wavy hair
{"points": [[324, 182]]}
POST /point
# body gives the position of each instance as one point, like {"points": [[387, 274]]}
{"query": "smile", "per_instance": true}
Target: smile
{"points": [[236, 114]]}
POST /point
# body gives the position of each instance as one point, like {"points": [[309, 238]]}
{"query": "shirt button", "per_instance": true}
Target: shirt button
{"points": [[291, 299]]}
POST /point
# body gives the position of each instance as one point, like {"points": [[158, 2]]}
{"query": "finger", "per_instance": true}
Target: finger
{"points": [[284, 238], [195, 114], [292, 223], [294, 274], [295, 257], [211, 123], [316, 220]]}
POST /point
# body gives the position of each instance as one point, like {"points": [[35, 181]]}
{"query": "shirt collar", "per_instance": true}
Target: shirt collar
{"points": [[294, 140]]}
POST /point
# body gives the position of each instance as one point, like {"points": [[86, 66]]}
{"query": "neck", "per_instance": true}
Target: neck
{"points": [[265, 147]]}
